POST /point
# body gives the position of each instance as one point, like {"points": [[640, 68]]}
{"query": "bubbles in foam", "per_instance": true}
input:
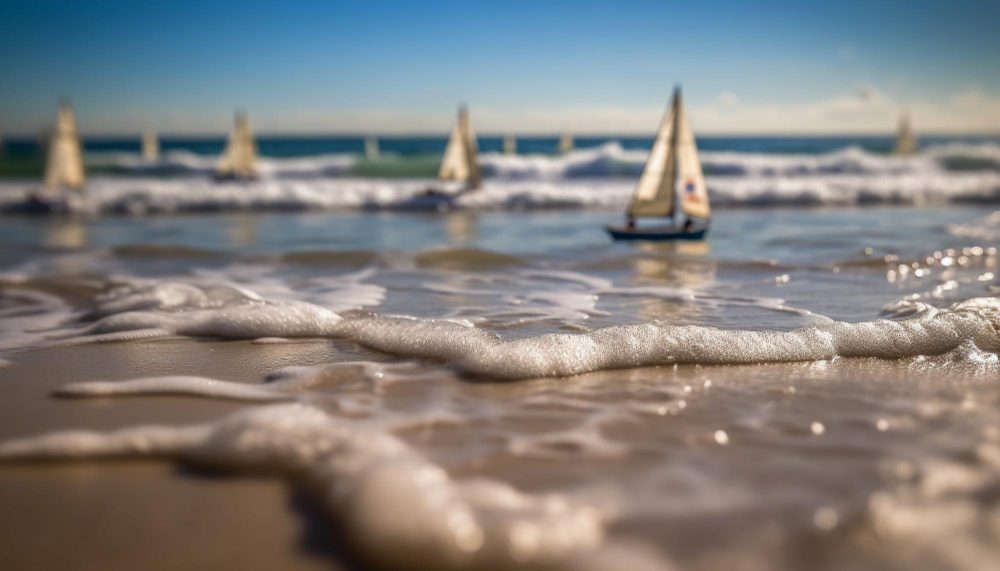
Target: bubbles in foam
{"points": [[928, 331]]}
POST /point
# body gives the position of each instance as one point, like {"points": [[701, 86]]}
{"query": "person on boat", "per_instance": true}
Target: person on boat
{"points": [[688, 223], [630, 223]]}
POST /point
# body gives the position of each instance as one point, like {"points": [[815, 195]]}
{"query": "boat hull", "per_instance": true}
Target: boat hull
{"points": [[657, 233]]}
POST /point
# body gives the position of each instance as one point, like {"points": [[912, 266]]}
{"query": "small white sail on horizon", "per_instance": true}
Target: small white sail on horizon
{"points": [[509, 145], [239, 160], [150, 146], [566, 142], [372, 150], [64, 165], [672, 175], [460, 161], [906, 143]]}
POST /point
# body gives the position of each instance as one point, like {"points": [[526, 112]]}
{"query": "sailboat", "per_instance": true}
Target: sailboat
{"points": [[64, 165], [671, 183], [509, 145], [239, 160], [565, 142], [460, 162], [906, 143], [371, 147], [150, 146]]}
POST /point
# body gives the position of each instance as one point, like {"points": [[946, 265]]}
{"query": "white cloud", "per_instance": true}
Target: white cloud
{"points": [[868, 110]]}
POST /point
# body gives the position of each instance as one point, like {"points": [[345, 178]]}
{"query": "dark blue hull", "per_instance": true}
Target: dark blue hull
{"points": [[657, 233]]}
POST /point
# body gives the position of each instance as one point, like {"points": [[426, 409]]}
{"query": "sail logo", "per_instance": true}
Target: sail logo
{"points": [[689, 188]]}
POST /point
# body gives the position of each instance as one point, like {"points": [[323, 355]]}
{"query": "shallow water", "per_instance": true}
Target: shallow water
{"points": [[809, 388]]}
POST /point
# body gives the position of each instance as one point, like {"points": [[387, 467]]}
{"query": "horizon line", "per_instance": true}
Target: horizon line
{"points": [[20, 136]]}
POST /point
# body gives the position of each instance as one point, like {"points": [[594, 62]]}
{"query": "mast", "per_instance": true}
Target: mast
{"points": [[64, 166], [676, 112]]}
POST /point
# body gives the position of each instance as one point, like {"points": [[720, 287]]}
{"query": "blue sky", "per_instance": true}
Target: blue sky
{"points": [[523, 66]]}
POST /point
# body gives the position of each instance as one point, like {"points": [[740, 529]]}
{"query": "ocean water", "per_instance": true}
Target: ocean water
{"points": [[498, 385], [330, 174]]}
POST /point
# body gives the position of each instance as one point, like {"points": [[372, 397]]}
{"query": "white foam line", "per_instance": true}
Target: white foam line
{"points": [[395, 506]]}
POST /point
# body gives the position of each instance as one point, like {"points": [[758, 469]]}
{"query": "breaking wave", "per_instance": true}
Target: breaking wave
{"points": [[609, 159], [599, 178], [164, 196]]}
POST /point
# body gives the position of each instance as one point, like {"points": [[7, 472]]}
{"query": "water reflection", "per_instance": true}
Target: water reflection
{"points": [[67, 233], [461, 226], [243, 230], [676, 265]]}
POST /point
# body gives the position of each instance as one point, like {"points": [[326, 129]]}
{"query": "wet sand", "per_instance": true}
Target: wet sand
{"points": [[146, 514], [753, 502]]}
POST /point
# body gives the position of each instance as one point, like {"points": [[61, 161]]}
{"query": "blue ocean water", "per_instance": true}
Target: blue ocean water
{"points": [[285, 146]]}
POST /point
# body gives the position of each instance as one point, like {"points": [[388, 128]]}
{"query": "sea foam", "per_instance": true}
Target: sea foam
{"points": [[925, 331], [395, 506]]}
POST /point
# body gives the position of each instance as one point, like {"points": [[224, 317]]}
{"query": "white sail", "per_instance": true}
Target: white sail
{"points": [[461, 160], [150, 146], [566, 142], [654, 194], [906, 144], [672, 174], [691, 190], [64, 166], [509, 145], [239, 160], [371, 147]]}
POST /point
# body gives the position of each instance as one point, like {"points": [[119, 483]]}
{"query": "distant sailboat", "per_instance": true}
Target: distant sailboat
{"points": [[906, 143], [64, 166], [509, 145], [566, 142], [371, 147], [672, 178], [150, 146], [239, 160], [460, 160]]}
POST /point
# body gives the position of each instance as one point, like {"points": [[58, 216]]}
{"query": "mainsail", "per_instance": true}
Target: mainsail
{"points": [[371, 147], [460, 160], [150, 146], [672, 174], [239, 160], [565, 142], [64, 166], [906, 144], [509, 145]]}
